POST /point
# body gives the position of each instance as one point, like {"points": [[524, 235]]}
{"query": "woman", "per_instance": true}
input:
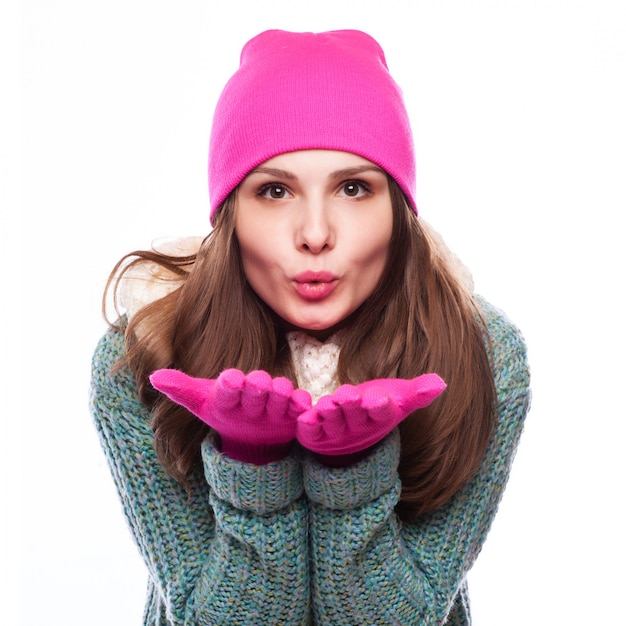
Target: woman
{"points": [[310, 418]]}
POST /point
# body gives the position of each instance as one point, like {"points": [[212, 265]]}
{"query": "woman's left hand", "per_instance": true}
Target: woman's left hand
{"points": [[356, 417]]}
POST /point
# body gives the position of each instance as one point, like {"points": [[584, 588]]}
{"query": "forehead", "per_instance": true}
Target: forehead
{"points": [[321, 159]]}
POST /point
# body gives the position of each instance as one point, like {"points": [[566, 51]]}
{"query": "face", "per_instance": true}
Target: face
{"points": [[314, 228]]}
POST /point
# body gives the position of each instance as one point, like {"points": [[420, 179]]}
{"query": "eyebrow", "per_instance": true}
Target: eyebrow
{"points": [[343, 173], [355, 171], [273, 171]]}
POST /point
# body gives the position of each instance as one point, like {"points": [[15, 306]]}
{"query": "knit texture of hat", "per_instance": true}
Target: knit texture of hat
{"points": [[305, 91]]}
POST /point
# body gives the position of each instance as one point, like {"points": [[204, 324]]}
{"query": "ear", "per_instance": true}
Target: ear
{"points": [[185, 390]]}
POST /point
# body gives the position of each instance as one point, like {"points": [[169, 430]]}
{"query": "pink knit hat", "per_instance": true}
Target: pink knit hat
{"points": [[299, 91]]}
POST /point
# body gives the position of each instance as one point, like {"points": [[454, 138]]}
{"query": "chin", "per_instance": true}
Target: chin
{"points": [[317, 329], [320, 330]]}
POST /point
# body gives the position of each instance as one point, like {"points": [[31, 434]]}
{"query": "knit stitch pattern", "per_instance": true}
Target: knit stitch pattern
{"points": [[315, 363], [296, 542]]}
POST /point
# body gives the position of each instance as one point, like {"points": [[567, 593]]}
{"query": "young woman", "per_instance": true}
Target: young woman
{"points": [[309, 416]]}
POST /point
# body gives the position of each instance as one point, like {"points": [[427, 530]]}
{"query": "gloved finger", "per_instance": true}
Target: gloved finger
{"points": [[255, 393], [228, 389], [349, 399], [279, 396], [310, 427], [300, 401], [327, 409], [379, 405], [347, 396], [332, 417]]}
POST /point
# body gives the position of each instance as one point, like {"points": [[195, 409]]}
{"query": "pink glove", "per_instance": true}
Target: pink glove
{"points": [[354, 418], [255, 415]]}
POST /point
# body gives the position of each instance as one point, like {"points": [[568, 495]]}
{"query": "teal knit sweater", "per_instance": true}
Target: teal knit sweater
{"points": [[296, 542]]}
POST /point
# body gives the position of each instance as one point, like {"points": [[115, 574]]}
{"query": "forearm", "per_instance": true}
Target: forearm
{"points": [[214, 552], [362, 571], [261, 544], [367, 566]]}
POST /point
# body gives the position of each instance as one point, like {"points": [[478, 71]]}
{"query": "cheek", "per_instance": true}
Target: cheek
{"points": [[259, 236], [261, 251], [251, 237], [258, 250], [375, 256], [374, 248]]}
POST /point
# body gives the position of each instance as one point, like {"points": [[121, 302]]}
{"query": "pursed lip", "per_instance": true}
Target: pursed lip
{"points": [[314, 286], [311, 276]]}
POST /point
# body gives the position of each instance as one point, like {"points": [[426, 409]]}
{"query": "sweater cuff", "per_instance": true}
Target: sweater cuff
{"points": [[258, 488], [350, 487]]}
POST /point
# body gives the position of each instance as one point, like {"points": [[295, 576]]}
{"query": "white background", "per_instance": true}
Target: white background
{"points": [[518, 113]]}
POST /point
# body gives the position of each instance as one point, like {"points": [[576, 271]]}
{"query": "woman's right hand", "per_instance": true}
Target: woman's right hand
{"points": [[254, 414]]}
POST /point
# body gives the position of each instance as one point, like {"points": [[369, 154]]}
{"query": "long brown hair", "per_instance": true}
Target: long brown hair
{"points": [[419, 319]]}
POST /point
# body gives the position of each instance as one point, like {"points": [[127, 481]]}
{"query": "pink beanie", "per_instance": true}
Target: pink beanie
{"points": [[299, 91]]}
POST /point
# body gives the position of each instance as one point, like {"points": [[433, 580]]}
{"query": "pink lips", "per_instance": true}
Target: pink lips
{"points": [[314, 286]]}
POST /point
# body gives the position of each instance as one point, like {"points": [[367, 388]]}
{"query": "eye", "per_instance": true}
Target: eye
{"points": [[275, 191], [355, 189]]}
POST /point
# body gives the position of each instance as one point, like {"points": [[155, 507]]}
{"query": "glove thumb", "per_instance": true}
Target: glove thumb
{"points": [[421, 391], [191, 393]]}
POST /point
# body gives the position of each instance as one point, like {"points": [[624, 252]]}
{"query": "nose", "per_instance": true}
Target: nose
{"points": [[316, 233]]}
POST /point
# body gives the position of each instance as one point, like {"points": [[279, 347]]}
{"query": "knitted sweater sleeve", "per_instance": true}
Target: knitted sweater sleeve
{"points": [[231, 548], [368, 567]]}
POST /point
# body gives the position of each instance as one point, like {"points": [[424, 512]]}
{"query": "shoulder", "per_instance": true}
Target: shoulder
{"points": [[108, 352], [507, 347], [121, 419], [508, 353], [113, 389], [113, 385]]}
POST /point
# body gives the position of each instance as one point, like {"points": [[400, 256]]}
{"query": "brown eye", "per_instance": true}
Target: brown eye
{"points": [[351, 189], [355, 189], [273, 191]]}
